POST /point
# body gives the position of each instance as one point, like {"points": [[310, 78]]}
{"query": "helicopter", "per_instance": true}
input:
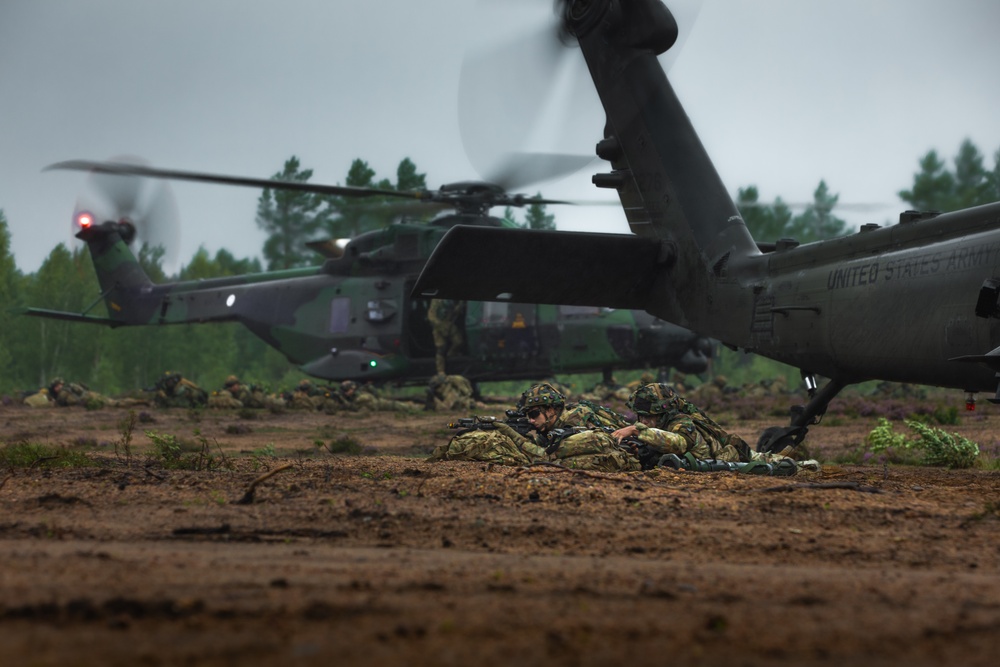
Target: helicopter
{"points": [[913, 302], [352, 317]]}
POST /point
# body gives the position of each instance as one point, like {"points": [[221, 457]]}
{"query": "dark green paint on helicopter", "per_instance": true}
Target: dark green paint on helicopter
{"points": [[353, 317]]}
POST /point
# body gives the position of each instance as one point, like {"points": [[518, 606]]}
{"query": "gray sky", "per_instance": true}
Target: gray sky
{"points": [[783, 93]]}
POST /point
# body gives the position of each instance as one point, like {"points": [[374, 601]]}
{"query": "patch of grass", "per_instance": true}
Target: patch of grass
{"points": [[267, 451], [176, 454], [34, 455], [344, 444]]}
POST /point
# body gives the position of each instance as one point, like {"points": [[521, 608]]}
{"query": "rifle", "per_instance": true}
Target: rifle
{"points": [[784, 468], [516, 419]]}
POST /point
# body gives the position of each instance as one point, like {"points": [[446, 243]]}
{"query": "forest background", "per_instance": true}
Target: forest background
{"points": [[124, 360]]}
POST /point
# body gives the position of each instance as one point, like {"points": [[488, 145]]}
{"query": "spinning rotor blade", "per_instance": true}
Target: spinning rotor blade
{"points": [[148, 207], [533, 92], [516, 94], [515, 171]]}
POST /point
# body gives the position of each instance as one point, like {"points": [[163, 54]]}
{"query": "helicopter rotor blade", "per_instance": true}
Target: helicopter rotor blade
{"points": [[148, 207], [127, 169], [515, 171], [533, 92]]}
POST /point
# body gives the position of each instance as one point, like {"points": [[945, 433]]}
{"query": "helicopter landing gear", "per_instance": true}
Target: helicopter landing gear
{"points": [[777, 438]]}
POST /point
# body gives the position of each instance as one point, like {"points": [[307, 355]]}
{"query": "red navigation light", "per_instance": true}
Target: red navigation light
{"points": [[84, 220]]}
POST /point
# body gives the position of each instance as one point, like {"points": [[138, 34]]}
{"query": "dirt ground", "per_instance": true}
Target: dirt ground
{"points": [[379, 557]]}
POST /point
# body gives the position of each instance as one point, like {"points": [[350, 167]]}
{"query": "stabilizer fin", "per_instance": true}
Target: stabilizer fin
{"points": [[532, 266], [72, 317]]}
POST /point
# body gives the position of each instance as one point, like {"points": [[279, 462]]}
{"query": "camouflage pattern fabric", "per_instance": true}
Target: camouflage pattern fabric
{"points": [[444, 315], [606, 391], [587, 449], [223, 400], [75, 393], [180, 392], [364, 400], [579, 449], [590, 415], [450, 393], [39, 399], [492, 446], [680, 433]]}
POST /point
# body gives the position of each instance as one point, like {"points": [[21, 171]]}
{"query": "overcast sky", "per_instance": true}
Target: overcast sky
{"points": [[783, 92]]}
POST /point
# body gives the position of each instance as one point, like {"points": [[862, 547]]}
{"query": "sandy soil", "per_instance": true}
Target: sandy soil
{"points": [[382, 558]]}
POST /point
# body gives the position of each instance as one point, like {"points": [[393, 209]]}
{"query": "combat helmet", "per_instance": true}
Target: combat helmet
{"points": [[231, 381], [653, 399], [542, 394]]}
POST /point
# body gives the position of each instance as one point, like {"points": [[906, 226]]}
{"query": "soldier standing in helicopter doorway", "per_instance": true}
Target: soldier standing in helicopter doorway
{"points": [[446, 317]]}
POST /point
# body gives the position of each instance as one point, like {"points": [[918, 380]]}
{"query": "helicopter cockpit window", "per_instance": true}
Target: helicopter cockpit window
{"points": [[340, 314]]}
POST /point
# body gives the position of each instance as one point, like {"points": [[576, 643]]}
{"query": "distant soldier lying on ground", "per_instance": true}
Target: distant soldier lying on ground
{"points": [[173, 390], [67, 394], [446, 393], [235, 394], [353, 396]]}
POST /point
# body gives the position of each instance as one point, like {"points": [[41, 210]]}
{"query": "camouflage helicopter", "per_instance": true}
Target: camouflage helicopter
{"points": [[915, 302], [353, 317]]}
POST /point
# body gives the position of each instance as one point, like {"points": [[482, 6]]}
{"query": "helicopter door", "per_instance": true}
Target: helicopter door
{"points": [[417, 328], [508, 330]]}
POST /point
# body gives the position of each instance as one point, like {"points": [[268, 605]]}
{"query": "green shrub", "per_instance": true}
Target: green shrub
{"points": [[937, 447], [944, 449], [882, 437]]}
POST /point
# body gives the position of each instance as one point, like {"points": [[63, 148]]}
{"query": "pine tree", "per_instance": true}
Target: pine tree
{"points": [[291, 219]]}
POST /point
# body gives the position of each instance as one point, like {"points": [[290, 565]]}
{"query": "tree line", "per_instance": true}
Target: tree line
{"points": [[116, 361]]}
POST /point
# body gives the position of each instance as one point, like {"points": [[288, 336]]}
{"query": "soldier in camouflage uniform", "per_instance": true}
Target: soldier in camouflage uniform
{"points": [[231, 395], [354, 397], [235, 394], [608, 390], [489, 445], [308, 396], [575, 436], [40, 399], [61, 394], [173, 390], [445, 316], [669, 424], [559, 414], [449, 393]]}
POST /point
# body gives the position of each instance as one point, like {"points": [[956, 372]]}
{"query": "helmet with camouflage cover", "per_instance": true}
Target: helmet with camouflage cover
{"points": [[231, 381], [348, 386], [653, 399], [56, 381], [541, 395]]}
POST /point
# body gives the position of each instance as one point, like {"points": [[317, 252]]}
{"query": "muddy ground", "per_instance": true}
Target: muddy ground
{"points": [[377, 557]]}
